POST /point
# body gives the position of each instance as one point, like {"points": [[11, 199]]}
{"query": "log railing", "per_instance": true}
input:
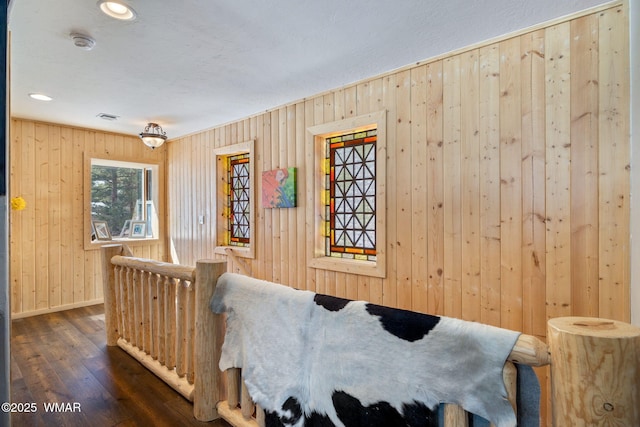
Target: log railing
{"points": [[159, 313], [528, 350], [238, 409]]}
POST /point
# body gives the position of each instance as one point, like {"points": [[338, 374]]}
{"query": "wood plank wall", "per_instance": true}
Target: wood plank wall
{"points": [[49, 266], [507, 177], [507, 186]]}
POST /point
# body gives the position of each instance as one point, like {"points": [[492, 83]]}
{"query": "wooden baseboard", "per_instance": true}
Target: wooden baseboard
{"points": [[56, 309]]}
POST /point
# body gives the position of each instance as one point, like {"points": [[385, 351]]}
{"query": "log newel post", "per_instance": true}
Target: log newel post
{"points": [[209, 333], [595, 372], [109, 292]]}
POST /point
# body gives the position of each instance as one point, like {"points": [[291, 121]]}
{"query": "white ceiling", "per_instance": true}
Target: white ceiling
{"points": [[192, 65]]}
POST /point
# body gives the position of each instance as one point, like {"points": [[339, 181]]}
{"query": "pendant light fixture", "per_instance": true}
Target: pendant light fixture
{"points": [[153, 136]]}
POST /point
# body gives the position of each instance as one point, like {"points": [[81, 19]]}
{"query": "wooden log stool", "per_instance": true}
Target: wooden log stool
{"points": [[595, 372]]}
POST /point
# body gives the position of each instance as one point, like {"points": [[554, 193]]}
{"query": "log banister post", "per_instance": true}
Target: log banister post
{"points": [[109, 292], [529, 350], [595, 371], [209, 333]]}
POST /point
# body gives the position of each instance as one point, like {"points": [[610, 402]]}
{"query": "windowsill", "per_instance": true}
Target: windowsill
{"points": [[240, 252], [363, 268], [97, 244]]}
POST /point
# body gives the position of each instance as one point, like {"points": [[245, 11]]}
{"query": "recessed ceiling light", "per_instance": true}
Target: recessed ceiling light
{"points": [[117, 9], [40, 97]]}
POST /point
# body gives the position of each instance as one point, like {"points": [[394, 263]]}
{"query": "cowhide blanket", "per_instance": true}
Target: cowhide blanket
{"points": [[315, 360]]}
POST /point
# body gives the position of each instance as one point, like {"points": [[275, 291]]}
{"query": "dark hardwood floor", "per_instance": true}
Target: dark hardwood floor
{"points": [[62, 358]]}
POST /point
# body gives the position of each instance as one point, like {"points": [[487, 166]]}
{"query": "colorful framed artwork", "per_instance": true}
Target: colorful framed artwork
{"points": [[279, 188], [138, 229], [101, 230]]}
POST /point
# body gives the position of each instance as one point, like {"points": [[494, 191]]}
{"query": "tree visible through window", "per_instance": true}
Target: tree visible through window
{"points": [[121, 192]]}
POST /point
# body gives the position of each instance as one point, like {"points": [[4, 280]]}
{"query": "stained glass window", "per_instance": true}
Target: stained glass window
{"points": [[350, 197], [239, 190]]}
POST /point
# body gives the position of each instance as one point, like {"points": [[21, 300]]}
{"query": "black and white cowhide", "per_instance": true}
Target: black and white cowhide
{"points": [[315, 360]]}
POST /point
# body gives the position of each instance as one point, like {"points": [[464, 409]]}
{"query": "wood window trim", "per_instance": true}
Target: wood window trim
{"points": [[221, 155], [316, 136], [158, 199]]}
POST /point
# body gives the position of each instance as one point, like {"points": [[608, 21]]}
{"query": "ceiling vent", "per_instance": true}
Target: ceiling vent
{"points": [[83, 41], [106, 116]]}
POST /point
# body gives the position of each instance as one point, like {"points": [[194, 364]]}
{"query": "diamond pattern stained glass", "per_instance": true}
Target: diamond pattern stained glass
{"points": [[351, 202], [239, 188]]}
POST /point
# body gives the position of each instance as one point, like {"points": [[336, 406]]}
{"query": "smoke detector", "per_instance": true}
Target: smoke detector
{"points": [[83, 41]]}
